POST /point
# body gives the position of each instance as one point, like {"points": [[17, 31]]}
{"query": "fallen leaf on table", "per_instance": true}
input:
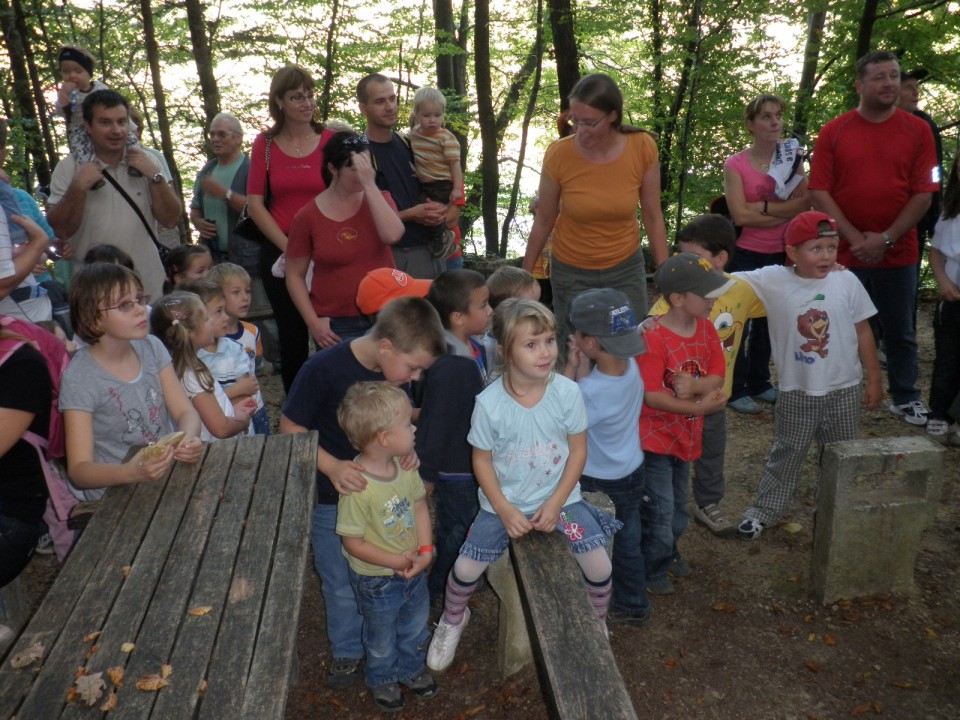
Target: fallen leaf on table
{"points": [[166, 671], [126, 570], [116, 675], [92, 636], [90, 687], [199, 611], [92, 650], [202, 689], [27, 656], [127, 647], [670, 664], [71, 694], [793, 527], [110, 704], [151, 683]]}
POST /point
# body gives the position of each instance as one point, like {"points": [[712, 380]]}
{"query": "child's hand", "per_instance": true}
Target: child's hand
{"points": [[244, 408], [346, 477], [713, 402], [88, 175], [574, 354], [247, 385], [873, 394], [514, 521], [138, 159], [418, 563], [684, 385], [150, 470], [457, 194], [63, 94], [545, 519], [189, 450], [410, 462]]}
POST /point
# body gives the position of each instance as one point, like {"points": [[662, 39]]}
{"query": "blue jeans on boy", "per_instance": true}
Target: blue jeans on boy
{"points": [[395, 613], [629, 572], [457, 506], [664, 511], [344, 623], [261, 422]]}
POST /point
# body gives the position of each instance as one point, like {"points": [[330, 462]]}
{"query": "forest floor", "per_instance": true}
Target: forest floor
{"points": [[741, 637]]}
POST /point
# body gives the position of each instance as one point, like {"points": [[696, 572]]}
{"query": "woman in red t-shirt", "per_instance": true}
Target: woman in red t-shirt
{"points": [[346, 231], [290, 155]]}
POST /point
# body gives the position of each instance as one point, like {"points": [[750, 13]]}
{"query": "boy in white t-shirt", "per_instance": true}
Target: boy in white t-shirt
{"points": [[601, 359], [821, 336]]}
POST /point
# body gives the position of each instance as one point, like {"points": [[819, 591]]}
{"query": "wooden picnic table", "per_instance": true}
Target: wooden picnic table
{"points": [[201, 572]]}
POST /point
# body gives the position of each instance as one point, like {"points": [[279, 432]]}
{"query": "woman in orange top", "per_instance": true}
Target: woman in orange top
{"points": [[590, 186]]}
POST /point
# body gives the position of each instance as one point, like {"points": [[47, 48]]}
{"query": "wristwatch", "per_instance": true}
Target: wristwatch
{"points": [[228, 195], [888, 241], [157, 179]]}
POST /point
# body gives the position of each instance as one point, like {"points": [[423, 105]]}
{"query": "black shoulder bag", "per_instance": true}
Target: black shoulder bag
{"points": [[162, 250], [246, 227]]}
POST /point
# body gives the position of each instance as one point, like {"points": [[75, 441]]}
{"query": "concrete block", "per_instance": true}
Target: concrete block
{"points": [[513, 647], [876, 498]]}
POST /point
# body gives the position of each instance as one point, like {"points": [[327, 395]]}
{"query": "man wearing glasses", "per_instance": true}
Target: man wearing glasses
{"points": [[395, 172]]}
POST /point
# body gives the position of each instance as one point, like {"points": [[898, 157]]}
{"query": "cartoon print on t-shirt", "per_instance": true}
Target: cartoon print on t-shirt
{"points": [[398, 518], [814, 324], [688, 366], [727, 329]]}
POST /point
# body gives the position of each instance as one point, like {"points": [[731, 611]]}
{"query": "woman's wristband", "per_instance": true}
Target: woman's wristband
{"points": [[425, 549]]}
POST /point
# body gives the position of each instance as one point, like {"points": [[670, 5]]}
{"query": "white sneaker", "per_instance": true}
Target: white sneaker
{"points": [[937, 430], [443, 646], [914, 412]]}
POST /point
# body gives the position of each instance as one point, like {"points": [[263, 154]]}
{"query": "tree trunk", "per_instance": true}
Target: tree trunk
{"points": [[528, 114], [565, 48], [808, 78], [203, 58], [163, 120], [865, 28], [17, 51], [330, 47], [489, 162], [445, 38]]}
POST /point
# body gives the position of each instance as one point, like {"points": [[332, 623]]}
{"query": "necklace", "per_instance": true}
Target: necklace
{"points": [[301, 142], [763, 165]]}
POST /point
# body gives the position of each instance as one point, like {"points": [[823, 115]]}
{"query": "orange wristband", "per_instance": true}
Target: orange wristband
{"points": [[424, 549]]}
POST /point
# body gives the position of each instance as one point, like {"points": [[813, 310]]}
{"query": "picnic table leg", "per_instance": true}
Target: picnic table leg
{"points": [[513, 648]]}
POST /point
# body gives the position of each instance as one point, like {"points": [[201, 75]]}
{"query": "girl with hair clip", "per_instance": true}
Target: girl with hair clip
{"points": [[120, 390], [181, 322], [529, 438], [186, 262]]}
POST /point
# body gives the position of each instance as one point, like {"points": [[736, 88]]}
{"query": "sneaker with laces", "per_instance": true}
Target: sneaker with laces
{"points": [[769, 395], [44, 545], [343, 672], [443, 646], [937, 430], [679, 568], [914, 412], [745, 405], [712, 518], [750, 529], [387, 697], [422, 685], [661, 586]]}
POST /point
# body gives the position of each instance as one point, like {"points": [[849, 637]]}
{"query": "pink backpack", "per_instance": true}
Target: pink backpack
{"points": [[52, 450]]}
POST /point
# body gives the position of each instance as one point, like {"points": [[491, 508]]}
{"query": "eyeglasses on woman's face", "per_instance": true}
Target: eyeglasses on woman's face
{"points": [[300, 98], [127, 306], [574, 123]]}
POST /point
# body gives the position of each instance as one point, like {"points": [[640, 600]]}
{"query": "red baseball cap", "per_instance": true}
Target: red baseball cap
{"points": [[808, 226], [382, 285]]}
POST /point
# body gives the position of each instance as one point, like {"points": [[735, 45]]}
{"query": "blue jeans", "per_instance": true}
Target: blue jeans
{"points": [[664, 511], [751, 370], [454, 263], [261, 422], [629, 572], [395, 613], [344, 623], [457, 505], [894, 292], [350, 328]]}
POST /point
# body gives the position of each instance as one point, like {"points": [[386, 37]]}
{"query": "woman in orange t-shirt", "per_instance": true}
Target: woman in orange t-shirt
{"points": [[590, 187]]}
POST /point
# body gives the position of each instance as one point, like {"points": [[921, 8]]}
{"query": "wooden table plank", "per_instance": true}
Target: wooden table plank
{"points": [[48, 621], [232, 655], [269, 680], [195, 642], [129, 606], [168, 604], [559, 611]]}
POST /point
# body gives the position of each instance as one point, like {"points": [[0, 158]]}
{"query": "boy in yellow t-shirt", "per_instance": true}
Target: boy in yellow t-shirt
{"points": [[387, 540], [713, 238]]}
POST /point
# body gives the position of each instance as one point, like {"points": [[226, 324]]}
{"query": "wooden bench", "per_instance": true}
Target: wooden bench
{"points": [[578, 673], [202, 572]]}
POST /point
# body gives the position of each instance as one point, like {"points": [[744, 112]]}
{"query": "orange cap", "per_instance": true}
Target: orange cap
{"points": [[382, 285]]}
